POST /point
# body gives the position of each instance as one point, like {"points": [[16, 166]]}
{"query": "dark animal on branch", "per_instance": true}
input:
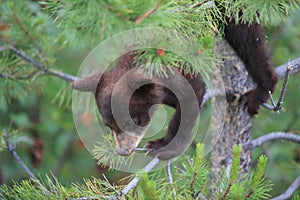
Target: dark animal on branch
{"points": [[248, 41]]}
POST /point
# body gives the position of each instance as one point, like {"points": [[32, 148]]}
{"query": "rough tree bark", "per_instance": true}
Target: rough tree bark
{"points": [[238, 123]]}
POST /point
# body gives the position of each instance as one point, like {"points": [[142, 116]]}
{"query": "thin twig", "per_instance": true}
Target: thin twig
{"points": [[170, 179], [286, 78], [275, 136], [267, 106], [149, 12], [18, 77], [13, 152], [272, 100], [27, 58], [288, 193], [8, 76], [62, 75], [141, 149], [42, 68]]}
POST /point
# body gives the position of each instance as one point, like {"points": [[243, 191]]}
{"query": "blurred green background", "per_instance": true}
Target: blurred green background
{"points": [[43, 116]]}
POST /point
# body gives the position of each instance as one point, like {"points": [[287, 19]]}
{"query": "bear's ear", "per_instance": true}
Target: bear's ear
{"points": [[88, 83]]}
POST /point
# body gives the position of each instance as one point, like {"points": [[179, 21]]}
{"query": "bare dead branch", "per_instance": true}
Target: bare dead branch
{"points": [[170, 179], [281, 70], [62, 75], [4, 47], [288, 193], [147, 169], [275, 136], [273, 104], [6, 75], [13, 152], [212, 93], [277, 107]]}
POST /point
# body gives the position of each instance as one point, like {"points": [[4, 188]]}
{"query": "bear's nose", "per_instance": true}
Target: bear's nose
{"points": [[123, 152]]}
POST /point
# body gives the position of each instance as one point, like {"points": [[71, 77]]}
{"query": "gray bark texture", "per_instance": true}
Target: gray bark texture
{"points": [[238, 123]]}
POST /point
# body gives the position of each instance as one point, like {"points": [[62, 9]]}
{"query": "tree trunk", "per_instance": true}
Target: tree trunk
{"points": [[238, 123]]}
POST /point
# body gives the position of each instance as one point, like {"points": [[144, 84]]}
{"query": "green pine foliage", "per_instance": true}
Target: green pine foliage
{"points": [[87, 23], [33, 33], [104, 152], [149, 188], [41, 30], [237, 185], [191, 181]]}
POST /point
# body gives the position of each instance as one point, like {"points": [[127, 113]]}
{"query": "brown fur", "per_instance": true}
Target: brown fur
{"points": [[250, 45], [139, 105]]}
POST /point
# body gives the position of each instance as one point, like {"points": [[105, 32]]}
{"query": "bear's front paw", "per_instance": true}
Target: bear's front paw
{"points": [[253, 104], [155, 145], [254, 99]]}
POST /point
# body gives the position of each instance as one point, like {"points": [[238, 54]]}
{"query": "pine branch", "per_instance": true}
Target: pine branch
{"points": [[275, 136], [192, 5], [149, 12], [13, 152], [23, 28], [288, 193], [211, 93], [282, 71], [109, 185], [133, 183], [42, 68]]}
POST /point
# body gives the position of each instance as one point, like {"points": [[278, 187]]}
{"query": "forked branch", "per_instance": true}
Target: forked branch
{"points": [[13, 152], [278, 106]]}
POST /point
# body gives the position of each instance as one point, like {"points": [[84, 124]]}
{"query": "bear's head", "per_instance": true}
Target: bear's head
{"points": [[124, 95]]}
